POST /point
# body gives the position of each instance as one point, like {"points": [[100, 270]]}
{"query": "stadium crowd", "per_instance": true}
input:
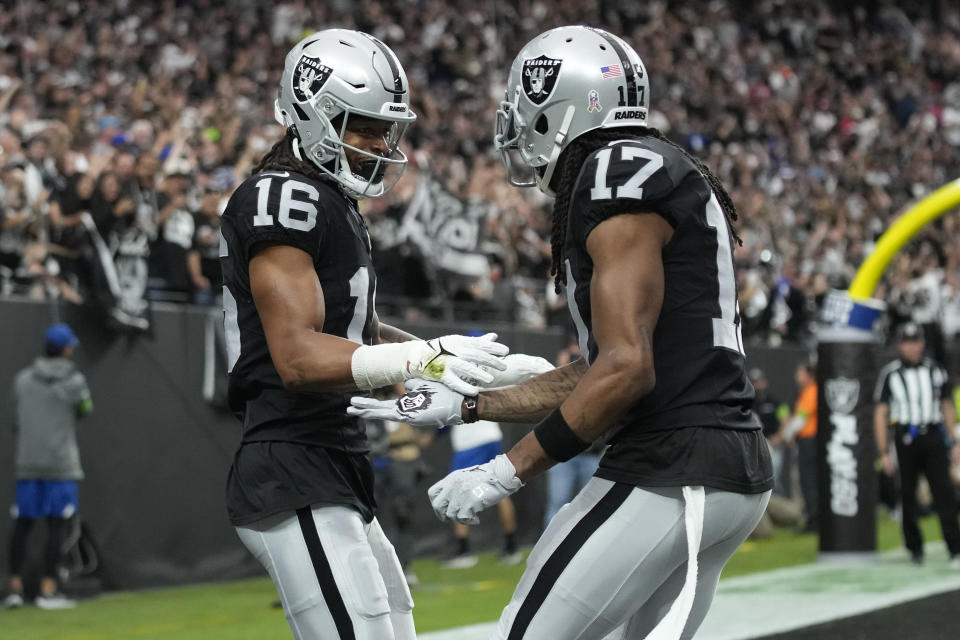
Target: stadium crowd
{"points": [[824, 119]]}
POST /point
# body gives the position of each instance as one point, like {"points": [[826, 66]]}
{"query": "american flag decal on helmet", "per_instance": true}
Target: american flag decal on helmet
{"points": [[611, 71]]}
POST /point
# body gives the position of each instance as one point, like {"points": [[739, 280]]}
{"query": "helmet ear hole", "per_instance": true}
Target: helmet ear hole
{"points": [[542, 125]]}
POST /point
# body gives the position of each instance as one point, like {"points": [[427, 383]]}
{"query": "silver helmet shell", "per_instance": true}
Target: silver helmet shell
{"points": [[562, 84], [342, 72]]}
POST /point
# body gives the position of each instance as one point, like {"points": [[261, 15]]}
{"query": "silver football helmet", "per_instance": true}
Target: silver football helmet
{"points": [[341, 72], [562, 84]]}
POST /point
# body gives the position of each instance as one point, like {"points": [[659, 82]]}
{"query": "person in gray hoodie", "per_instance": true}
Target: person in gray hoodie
{"points": [[48, 399]]}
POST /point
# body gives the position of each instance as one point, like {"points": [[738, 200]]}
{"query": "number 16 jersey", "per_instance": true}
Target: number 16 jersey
{"points": [[283, 208]]}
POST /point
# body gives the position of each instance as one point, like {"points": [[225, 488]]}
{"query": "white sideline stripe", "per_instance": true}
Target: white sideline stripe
{"points": [[740, 613], [733, 615]]}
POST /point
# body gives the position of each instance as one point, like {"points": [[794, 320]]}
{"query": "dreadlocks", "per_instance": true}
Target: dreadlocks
{"points": [[281, 158], [570, 164]]}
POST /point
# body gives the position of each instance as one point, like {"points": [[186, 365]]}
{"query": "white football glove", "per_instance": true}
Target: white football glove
{"points": [[460, 362], [520, 367], [425, 404], [430, 404], [466, 492]]}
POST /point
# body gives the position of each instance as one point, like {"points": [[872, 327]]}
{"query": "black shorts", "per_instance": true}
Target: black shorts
{"points": [[270, 477]]}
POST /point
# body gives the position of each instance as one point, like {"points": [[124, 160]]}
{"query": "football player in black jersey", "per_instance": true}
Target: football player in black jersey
{"points": [[642, 243], [302, 334]]}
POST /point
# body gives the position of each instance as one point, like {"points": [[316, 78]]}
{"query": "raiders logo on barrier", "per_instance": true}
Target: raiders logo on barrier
{"points": [[846, 451], [309, 77], [540, 77], [842, 394]]}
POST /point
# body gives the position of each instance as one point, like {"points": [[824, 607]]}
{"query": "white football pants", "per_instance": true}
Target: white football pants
{"points": [[338, 577], [614, 560]]}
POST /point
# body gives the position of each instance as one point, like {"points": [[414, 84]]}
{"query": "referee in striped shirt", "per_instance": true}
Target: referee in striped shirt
{"points": [[913, 396]]}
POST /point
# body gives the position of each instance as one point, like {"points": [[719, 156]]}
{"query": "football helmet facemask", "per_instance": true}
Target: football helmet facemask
{"points": [[562, 84], [330, 77]]}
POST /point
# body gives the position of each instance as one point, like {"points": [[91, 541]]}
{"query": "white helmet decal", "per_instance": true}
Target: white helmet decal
{"points": [[309, 77], [540, 77]]}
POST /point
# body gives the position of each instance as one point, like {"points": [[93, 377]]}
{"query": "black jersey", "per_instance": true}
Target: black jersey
{"points": [[280, 427], [701, 379]]}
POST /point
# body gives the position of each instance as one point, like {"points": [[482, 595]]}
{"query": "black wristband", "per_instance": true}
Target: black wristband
{"points": [[470, 404], [558, 439]]}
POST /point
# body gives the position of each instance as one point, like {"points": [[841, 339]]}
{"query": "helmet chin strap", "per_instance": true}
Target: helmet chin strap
{"points": [[544, 181], [296, 149]]}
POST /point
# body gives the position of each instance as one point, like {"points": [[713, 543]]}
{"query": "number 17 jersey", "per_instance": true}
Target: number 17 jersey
{"points": [[284, 208], [698, 354]]}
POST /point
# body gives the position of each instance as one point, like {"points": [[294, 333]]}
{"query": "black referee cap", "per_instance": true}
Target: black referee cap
{"points": [[909, 331]]}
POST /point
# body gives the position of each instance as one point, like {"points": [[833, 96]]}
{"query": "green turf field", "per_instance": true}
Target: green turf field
{"points": [[445, 598]]}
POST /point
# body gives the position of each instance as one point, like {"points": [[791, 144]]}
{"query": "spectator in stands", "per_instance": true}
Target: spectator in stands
{"points": [[925, 293], [819, 158], [37, 168], [125, 169], [48, 398], [40, 274], [71, 199], [145, 193], [800, 427], [15, 218], [203, 259], [113, 211], [175, 231], [788, 307], [914, 396]]}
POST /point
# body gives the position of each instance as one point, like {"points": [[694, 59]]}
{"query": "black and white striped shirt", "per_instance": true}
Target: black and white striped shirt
{"points": [[913, 392]]}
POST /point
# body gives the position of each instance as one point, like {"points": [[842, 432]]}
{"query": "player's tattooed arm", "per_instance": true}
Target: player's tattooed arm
{"points": [[532, 400], [626, 295], [383, 333]]}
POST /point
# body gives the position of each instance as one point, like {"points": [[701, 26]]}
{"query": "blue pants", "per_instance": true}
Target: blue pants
{"points": [[475, 455], [565, 480]]}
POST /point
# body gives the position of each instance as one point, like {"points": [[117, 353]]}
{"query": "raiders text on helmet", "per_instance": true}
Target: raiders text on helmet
{"points": [[562, 84], [336, 73]]}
